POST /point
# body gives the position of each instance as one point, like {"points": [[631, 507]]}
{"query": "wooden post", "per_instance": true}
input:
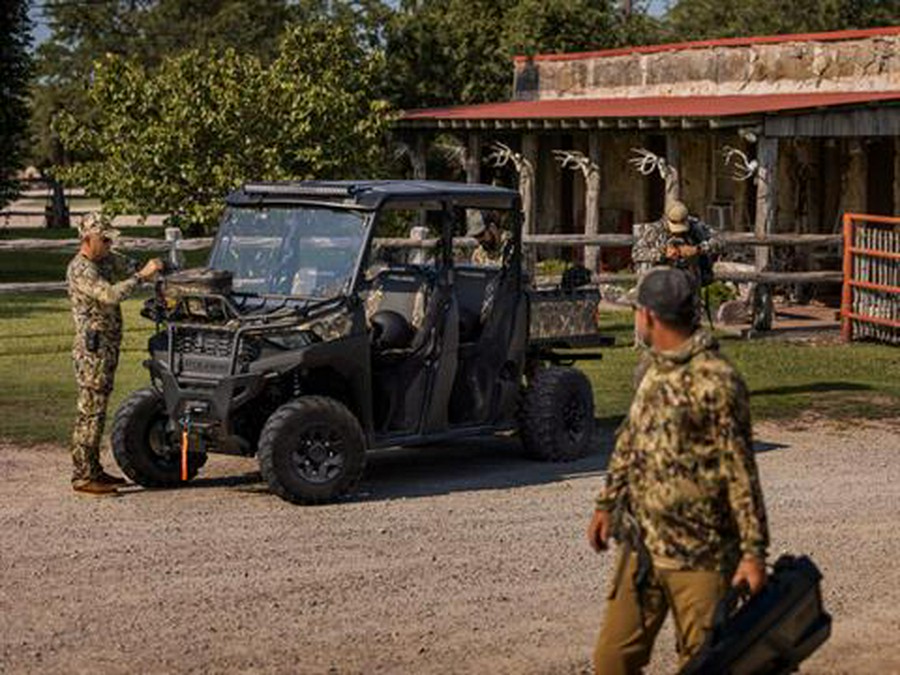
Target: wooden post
{"points": [[896, 176], [766, 204], [592, 201], [417, 157], [473, 158], [672, 177], [526, 181], [527, 177], [854, 179]]}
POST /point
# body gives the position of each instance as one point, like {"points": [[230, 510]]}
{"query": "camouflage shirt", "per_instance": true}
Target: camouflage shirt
{"points": [[96, 288], [684, 461], [649, 248], [493, 255]]}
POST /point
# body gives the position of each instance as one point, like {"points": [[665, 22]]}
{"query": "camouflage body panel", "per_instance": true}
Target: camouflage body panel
{"points": [[196, 282], [684, 462], [555, 314], [95, 294], [332, 327]]}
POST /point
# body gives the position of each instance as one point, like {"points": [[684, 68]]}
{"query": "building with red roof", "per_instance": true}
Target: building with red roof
{"points": [[809, 126]]}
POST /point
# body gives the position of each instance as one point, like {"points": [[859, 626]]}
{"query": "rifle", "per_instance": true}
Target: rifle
{"points": [[627, 531]]}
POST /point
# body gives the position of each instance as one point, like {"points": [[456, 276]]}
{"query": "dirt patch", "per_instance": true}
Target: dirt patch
{"points": [[462, 559]]}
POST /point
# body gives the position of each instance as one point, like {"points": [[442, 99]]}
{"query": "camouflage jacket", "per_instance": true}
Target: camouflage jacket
{"points": [[96, 289], [491, 256], [649, 248], [684, 462]]}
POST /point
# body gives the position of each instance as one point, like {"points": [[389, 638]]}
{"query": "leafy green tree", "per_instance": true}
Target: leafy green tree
{"points": [[703, 19], [558, 26], [147, 31], [448, 52], [177, 138], [14, 65]]}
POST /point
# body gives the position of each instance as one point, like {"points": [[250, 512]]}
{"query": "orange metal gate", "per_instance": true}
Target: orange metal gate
{"points": [[870, 303]]}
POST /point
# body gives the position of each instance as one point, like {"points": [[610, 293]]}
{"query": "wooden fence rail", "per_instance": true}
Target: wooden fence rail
{"points": [[731, 239], [157, 245]]}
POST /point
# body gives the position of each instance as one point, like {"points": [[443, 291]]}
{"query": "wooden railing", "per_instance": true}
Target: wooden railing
{"points": [[146, 245]]}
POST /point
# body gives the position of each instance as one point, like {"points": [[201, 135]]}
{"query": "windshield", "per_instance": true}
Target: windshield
{"points": [[305, 251]]}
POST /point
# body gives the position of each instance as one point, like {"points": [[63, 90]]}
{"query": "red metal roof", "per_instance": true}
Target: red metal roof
{"points": [[653, 106], [833, 36]]}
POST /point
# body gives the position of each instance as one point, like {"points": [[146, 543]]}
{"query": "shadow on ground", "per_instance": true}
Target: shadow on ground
{"points": [[471, 465], [812, 387]]}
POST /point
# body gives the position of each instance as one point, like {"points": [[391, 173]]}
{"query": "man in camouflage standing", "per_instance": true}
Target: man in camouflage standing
{"points": [[98, 280], [682, 493], [678, 240]]}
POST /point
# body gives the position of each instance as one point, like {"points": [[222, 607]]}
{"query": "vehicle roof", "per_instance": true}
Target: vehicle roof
{"points": [[373, 194]]}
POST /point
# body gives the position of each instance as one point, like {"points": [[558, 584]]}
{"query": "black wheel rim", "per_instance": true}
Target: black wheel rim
{"points": [[574, 418], [161, 441], [319, 455]]}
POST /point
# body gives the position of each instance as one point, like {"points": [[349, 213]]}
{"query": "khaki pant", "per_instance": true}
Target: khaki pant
{"points": [[630, 628]]}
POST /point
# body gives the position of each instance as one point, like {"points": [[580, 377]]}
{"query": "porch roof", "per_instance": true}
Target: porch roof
{"points": [[641, 113]]}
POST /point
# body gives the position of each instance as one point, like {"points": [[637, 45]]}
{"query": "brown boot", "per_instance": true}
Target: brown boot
{"points": [[94, 487], [106, 479]]}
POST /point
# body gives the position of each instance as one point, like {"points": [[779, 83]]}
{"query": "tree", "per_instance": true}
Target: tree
{"points": [[15, 38], [448, 52], [558, 26], [704, 19], [177, 138], [147, 31]]}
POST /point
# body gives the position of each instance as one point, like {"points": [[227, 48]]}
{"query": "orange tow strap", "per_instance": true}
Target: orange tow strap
{"points": [[184, 453]]}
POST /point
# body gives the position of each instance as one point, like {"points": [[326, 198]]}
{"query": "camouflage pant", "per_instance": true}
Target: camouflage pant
{"points": [[94, 374]]}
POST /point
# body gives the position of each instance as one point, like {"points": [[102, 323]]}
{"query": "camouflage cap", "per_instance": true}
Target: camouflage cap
{"points": [[665, 291], [677, 218], [475, 224], [96, 223]]}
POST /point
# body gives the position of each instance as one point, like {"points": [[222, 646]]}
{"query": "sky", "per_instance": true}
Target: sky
{"points": [[41, 31]]}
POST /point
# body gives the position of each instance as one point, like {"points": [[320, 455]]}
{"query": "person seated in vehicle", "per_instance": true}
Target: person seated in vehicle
{"points": [[492, 241]]}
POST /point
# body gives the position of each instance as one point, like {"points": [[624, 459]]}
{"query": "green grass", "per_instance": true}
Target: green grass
{"points": [[785, 378], [35, 266], [37, 400]]}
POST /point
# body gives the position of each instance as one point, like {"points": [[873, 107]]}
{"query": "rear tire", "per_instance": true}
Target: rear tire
{"points": [[312, 450], [557, 417], [143, 448]]}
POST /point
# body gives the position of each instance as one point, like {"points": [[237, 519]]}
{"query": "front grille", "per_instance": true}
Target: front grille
{"points": [[203, 342]]}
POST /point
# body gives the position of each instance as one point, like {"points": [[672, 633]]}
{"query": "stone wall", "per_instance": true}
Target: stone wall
{"points": [[869, 64]]}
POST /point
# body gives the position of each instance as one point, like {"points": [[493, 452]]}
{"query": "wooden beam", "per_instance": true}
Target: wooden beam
{"points": [[473, 158], [592, 189], [766, 204]]}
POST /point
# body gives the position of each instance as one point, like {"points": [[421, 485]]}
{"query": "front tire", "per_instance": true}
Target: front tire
{"points": [[312, 450], [557, 421], [146, 451]]}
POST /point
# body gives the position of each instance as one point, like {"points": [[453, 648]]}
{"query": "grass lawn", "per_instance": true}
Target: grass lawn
{"points": [[37, 399]]}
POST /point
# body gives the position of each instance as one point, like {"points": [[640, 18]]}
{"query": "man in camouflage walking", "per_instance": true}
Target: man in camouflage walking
{"points": [[682, 493], [98, 280]]}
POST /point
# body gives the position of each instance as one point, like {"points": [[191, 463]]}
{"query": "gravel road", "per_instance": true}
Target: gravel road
{"points": [[462, 559]]}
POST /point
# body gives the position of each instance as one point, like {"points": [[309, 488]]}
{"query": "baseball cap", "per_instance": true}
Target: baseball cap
{"points": [[666, 291], [475, 224], [96, 223], [677, 218]]}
